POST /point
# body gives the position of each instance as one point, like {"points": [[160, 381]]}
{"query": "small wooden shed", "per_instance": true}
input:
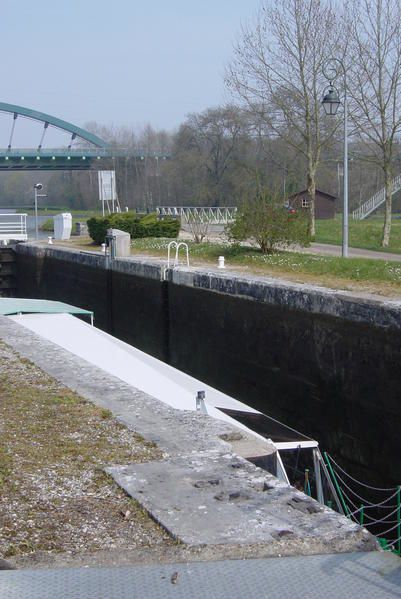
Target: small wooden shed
{"points": [[325, 203]]}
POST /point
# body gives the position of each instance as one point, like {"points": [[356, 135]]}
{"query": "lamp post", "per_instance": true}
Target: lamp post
{"points": [[331, 102], [37, 187]]}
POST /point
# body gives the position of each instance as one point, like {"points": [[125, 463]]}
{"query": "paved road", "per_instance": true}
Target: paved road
{"points": [[327, 249]]}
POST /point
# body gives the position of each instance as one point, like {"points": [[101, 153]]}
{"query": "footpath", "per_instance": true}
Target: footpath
{"points": [[327, 249]]}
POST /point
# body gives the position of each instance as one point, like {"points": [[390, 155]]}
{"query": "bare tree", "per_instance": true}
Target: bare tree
{"points": [[198, 227], [140, 181], [277, 72], [375, 50]]}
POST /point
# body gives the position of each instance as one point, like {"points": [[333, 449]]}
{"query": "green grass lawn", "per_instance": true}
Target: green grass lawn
{"points": [[48, 225], [334, 271], [364, 234], [83, 214]]}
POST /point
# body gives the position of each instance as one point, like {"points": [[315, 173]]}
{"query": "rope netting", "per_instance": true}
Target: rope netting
{"points": [[381, 516]]}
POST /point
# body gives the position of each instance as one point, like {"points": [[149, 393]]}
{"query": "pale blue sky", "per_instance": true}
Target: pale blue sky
{"points": [[121, 62]]}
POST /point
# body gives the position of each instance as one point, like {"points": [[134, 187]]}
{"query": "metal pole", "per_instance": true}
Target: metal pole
{"points": [[36, 215], [331, 72], [318, 478], [333, 476], [345, 204], [338, 180], [331, 484], [399, 519]]}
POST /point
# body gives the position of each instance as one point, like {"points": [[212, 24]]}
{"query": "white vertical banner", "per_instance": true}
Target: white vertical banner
{"points": [[108, 190]]}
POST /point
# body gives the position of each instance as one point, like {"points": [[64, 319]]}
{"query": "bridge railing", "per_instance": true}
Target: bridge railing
{"points": [[13, 226], [79, 152], [213, 215]]}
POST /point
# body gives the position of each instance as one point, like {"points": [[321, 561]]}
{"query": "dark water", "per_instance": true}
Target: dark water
{"points": [[30, 225]]}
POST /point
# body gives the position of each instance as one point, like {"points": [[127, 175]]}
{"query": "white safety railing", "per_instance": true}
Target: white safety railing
{"points": [[177, 245], [375, 201], [199, 214], [13, 227]]}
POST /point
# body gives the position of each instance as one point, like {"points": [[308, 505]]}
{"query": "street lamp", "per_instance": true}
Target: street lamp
{"points": [[331, 102], [37, 187]]}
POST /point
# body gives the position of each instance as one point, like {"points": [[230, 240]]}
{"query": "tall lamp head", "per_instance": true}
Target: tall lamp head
{"points": [[331, 101]]}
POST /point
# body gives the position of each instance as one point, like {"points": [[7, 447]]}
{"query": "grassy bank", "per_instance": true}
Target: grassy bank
{"points": [[378, 276], [364, 234], [82, 214]]}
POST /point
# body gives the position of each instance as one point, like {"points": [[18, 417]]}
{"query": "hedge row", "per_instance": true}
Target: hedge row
{"points": [[134, 224]]}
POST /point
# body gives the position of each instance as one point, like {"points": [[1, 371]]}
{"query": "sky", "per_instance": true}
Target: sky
{"points": [[116, 62]]}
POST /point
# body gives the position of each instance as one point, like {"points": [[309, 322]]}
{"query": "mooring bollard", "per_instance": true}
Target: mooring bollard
{"points": [[200, 402], [221, 262]]}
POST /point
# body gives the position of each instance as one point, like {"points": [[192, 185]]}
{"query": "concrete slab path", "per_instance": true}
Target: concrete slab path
{"points": [[357, 575]]}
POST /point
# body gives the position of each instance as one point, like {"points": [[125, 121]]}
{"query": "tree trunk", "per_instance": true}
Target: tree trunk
{"points": [[388, 187], [312, 194]]}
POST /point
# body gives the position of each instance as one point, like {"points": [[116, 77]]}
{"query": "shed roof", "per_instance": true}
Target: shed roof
{"points": [[318, 192], [12, 305]]}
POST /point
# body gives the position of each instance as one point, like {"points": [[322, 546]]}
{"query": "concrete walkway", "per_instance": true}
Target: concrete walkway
{"points": [[184, 435], [253, 509], [357, 575]]}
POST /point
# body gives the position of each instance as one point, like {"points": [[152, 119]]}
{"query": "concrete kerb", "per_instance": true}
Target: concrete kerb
{"points": [[294, 296], [202, 493]]}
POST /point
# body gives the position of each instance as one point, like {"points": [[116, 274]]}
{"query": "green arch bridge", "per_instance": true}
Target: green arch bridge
{"points": [[92, 152]]}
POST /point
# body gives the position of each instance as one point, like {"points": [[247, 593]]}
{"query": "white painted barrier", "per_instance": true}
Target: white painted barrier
{"points": [[13, 226]]}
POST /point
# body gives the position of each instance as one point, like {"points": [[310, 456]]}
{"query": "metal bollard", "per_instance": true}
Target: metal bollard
{"points": [[200, 402]]}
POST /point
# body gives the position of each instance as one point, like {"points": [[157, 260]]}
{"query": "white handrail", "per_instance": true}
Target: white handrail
{"points": [[376, 200], [13, 227]]}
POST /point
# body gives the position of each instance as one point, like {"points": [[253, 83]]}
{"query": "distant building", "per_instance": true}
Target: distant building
{"points": [[325, 203]]}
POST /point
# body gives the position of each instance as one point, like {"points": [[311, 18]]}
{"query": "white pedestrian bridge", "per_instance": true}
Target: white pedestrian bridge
{"points": [[212, 215]]}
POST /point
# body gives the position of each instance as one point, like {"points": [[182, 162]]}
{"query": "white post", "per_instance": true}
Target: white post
{"points": [[345, 204], [36, 214]]}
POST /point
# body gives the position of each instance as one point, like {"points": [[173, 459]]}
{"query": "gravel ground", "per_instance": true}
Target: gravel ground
{"points": [[57, 507]]}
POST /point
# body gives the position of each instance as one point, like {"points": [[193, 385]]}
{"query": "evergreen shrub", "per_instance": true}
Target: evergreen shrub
{"points": [[137, 225]]}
